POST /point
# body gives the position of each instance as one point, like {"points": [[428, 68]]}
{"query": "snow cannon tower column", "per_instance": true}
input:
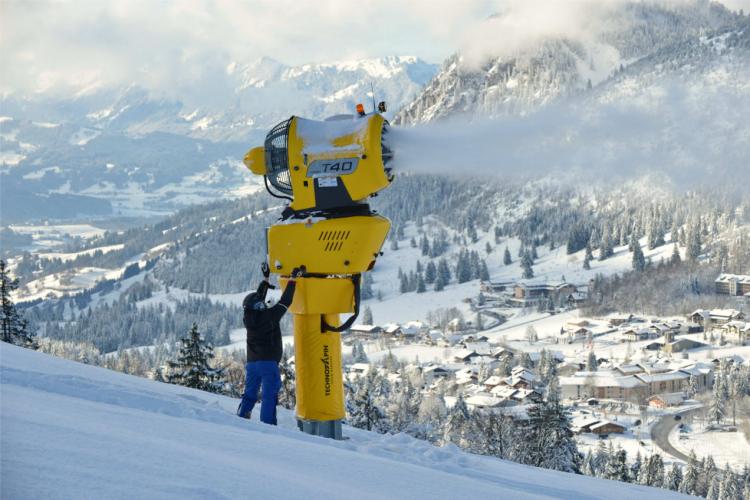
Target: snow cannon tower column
{"points": [[326, 170]]}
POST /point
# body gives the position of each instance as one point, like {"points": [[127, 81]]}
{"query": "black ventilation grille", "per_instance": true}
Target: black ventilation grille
{"points": [[277, 157], [334, 240]]}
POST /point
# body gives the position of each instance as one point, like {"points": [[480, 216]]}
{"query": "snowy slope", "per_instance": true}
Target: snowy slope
{"points": [[74, 431]]}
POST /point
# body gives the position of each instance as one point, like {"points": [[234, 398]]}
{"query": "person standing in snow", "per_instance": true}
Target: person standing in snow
{"points": [[264, 348]]}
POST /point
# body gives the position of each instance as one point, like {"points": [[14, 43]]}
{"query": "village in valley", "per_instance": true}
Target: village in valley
{"points": [[641, 383]]}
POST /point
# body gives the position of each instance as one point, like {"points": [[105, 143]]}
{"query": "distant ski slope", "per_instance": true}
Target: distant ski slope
{"points": [[70, 430]]}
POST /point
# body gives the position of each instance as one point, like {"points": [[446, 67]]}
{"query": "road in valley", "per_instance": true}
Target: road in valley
{"points": [[661, 430]]}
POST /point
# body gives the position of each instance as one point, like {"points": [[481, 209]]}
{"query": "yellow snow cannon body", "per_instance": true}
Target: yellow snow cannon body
{"points": [[326, 170]]}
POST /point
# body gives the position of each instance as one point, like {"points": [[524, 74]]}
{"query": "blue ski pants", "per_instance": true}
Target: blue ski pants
{"points": [[261, 375]]}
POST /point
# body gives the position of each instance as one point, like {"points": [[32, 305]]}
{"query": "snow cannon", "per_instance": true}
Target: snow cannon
{"points": [[326, 170]]}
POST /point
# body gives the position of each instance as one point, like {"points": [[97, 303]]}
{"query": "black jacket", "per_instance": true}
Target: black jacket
{"points": [[263, 331]]}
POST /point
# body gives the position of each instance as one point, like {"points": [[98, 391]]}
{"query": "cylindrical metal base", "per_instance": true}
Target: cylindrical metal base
{"points": [[325, 428]]}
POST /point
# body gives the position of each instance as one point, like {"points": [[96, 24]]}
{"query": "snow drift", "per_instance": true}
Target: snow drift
{"points": [[71, 430]]}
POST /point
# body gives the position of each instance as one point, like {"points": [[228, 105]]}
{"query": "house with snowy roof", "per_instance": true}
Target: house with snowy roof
{"points": [[666, 400], [527, 292], [464, 356], [661, 383], [603, 385], [365, 331], [636, 334], [607, 427], [733, 284], [483, 401], [736, 331], [492, 382]]}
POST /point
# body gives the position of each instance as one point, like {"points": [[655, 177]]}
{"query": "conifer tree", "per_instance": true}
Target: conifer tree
{"points": [[192, 368], [674, 478], [421, 287], [484, 272], [287, 394], [456, 424], [639, 261], [591, 364], [506, 257], [362, 405], [14, 329], [675, 259], [636, 466], [693, 243], [689, 482], [714, 487], [439, 283], [444, 271], [425, 246], [717, 409], [617, 467], [526, 263], [367, 318], [551, 435], [729, 489], [404, 284], [430, 273]]}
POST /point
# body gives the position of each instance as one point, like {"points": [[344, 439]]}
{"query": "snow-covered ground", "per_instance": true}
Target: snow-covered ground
{"points": [[726, 447], [54, 235], [75, 431], [66, 256]]}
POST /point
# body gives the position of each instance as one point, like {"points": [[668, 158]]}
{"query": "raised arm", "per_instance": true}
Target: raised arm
{"points": [[287, 297]]}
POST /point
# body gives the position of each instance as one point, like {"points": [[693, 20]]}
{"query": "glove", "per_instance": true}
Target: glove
{"points": [[297, 272], [265, 270]]}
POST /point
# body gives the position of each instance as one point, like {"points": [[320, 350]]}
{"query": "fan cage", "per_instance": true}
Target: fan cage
{"points": [[277, 157]]}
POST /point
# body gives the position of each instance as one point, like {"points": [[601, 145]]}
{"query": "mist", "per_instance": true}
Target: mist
{"points": [[684, 137]]}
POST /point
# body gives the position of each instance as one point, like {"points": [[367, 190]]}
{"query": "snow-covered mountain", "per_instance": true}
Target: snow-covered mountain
{"points": [[128, 151], [70, 430], [555, 67], [246, 99]]}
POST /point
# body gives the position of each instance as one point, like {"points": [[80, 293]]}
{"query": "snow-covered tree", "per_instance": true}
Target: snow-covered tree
{"points": [[456, 424], [287, 394], [526, 263], [367, 318], [531, 334], [729, 489], [689, 483], [549, 439], [617, 466], [506, 257], [430, 273], [675, 259], [717, 409], [591, 365], [636, 466], [363, 407], [674, 478], [14, 329], [193, 365], [652, 471], [639, 261]]}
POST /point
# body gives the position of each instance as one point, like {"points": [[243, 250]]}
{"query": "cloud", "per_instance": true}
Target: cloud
{"points": [[167, 44]]}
